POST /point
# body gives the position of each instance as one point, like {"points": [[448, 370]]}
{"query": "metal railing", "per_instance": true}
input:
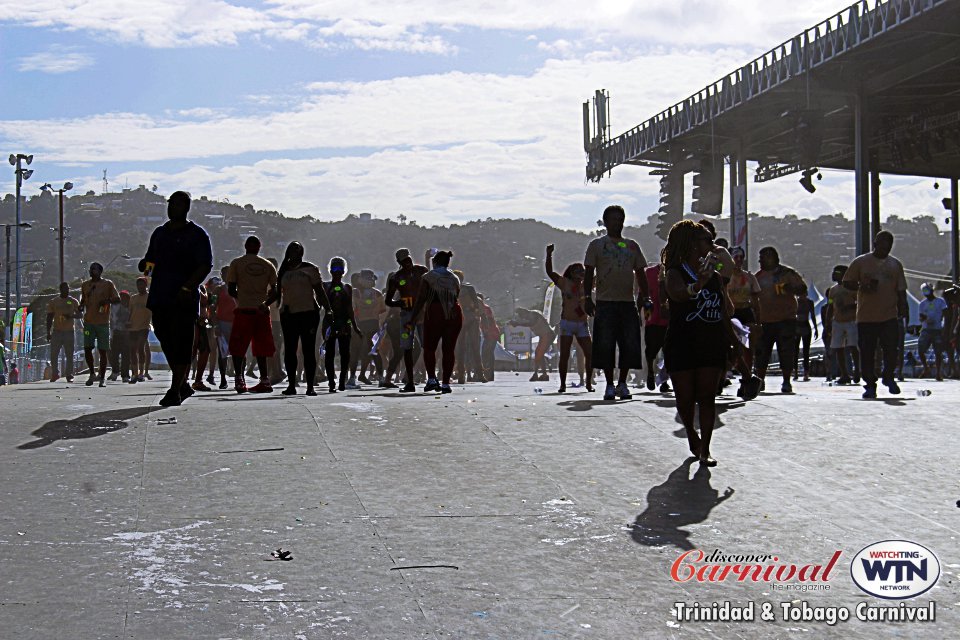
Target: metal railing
{"points": [[838, 34]]}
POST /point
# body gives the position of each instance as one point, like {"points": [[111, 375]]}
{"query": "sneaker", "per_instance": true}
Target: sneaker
{"points": [[408, 388], [562, 389], [353, 386], [91, 380], [665, 388], [333, 388], [624, 392], [893, 387], [844, 380], [535, 377], [199, 386], [363, 379], [113, 377], [445, 388], [185, 391], [210, 379], [240, 385], [290, 391], [223, 383], [432, 385], [133, 380], [311, 391], [149, 377], [143, 378], [54, 377], [171, 399], [69, 378], [387, 385], [651, 382], [786, 387], [610, 393], [125, 379], [102, 383], [544, 378], [749, 388], [262, 387], [870, 391]]}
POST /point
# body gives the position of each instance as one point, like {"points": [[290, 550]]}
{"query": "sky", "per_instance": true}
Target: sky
{"points": [[440, 111]]}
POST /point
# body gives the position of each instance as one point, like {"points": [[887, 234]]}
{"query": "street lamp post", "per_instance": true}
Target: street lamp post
{"points": [[7, 227], [66, 187], [22, 174]]}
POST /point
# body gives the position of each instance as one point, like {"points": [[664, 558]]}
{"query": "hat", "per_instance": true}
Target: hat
{"points": [[402, 254]]}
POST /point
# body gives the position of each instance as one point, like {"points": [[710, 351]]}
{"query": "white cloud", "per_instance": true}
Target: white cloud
{"points": [[56, 59], [405, 25], [431, 110]]}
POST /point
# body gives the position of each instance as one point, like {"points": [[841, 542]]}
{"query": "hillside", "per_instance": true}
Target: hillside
{"points": [[504, 258]]}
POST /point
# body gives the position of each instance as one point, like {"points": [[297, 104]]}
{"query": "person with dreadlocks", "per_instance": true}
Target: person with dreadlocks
{"points": [[442, 320], [300, 295], [697, 343], [573, 319], [338, 322]]}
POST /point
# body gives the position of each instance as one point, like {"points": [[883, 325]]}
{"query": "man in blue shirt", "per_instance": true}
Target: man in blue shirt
{"points": [[178, 258], [931, 329]]}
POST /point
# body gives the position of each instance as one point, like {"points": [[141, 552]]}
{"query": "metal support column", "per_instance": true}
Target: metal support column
{"points": [[874, 199], [954, 232], [861, 178], [742, 188]]}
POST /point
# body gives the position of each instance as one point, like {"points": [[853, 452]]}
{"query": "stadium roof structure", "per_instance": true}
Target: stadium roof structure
{"points": [[872, 89]]}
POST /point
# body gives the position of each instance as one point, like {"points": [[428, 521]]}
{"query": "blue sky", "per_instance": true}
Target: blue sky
{"points": [[441, 111]]}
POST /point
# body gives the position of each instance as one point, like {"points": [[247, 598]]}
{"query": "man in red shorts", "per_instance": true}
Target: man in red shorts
{"points": [[252, 280]]}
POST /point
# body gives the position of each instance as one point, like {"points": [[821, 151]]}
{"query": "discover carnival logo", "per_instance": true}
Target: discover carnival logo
{"points": [[895, 569], [718, 566]]}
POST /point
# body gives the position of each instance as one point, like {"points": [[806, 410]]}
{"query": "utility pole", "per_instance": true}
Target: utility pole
{"points": [[22, 174]]}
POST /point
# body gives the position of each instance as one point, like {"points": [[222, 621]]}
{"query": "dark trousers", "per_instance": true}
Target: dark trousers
{"points": [[887, 336], [488, 356], [335, 335], [438, 329], [120, 353], [300, 328]]}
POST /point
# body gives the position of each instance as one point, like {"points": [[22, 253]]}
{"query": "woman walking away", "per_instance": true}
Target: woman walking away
{"points": [[337, 323], [442, 320], [299, 289], [697, 342], [573, 319]]}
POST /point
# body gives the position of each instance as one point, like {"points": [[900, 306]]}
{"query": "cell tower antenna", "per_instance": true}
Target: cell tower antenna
{"points": [[106, 183]]}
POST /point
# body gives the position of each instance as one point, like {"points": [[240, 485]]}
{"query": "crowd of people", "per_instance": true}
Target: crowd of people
{"points": [[697, 310]]}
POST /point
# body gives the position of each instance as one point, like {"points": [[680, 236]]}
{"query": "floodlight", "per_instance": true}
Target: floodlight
{"points": [[27, 173], [28, 158], [67, 186], [12, 159], [807, 180]]}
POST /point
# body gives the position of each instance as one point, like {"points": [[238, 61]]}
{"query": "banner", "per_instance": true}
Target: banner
{"points": [[548, 301], [16, 331], [28, 334]]}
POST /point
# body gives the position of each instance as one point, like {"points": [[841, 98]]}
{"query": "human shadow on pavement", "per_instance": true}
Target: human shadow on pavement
{"points": [[88, 426], [678, 502], [587, 405]]}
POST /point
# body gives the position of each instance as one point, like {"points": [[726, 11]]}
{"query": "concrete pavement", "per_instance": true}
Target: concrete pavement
{"points": [[493, 512]]}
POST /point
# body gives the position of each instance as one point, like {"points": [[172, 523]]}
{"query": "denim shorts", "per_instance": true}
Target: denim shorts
{"points": [[575, 328]]}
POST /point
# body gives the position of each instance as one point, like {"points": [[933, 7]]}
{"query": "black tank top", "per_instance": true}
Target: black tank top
{"points": [[697, 325]]}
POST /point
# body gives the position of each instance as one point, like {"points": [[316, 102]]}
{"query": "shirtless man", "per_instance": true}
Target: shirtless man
{"points": [[96, 296], [62, 315], [402, 288]]}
